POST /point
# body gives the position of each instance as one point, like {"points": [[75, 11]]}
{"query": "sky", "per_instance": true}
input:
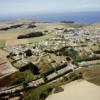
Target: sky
{"points": [[8, 7]]}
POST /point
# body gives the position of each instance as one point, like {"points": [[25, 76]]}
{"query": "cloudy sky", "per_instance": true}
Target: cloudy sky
{"points": [[8, 7]]}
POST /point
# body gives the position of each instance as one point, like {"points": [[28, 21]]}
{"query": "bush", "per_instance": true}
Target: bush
{"points": [[18, 81], [73, 76], [58, 89]]}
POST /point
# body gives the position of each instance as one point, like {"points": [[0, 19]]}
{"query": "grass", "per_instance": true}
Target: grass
{"points": [[2, 44], [23, 76], [91, 74], [45, 37], [33, 94], [46, 69], [17, 78], [46, 89], [45, 65]]}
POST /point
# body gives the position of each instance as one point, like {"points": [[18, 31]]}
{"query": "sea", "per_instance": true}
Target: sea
{"points": [[79, 17]]}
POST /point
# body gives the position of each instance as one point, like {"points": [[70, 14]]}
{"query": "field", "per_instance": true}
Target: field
{"points": [[93, 75], [47, 64], [16, 78], [2, 44], [93, 26], [5, 67], [77, 90], [9, 37]]}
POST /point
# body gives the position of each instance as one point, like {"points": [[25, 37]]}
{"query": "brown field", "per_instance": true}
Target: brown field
{"points": [[16, 42], [10, 36], [5, 66], [77, 90], [93, 75], [92, 26]]}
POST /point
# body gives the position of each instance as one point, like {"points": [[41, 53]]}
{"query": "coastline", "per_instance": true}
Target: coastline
{"points": [[80, 17]]}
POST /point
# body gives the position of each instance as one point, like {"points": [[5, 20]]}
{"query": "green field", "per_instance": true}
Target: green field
{"points": [[2, 44], [41, 38]]}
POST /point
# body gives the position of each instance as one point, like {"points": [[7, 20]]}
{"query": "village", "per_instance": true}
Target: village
{"points": [[82, 44], [52, 59]]}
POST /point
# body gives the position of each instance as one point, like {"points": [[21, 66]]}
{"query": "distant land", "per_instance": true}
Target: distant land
{"points": [[80, 17]]}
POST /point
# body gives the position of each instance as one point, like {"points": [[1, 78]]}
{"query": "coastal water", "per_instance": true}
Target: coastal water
{"points": [[80, 17]]}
